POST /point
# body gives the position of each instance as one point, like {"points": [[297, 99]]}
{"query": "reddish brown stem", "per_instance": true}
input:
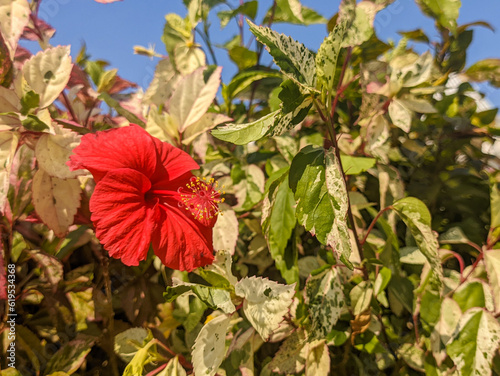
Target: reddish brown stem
{"points": [[370, 228]]}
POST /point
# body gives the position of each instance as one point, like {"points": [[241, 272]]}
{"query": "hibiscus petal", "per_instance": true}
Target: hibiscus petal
{"points": [[181, 242], [123, 219], [127, 147], [172, 163]]}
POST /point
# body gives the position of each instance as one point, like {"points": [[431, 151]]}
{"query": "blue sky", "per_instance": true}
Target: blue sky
{"points": [[111, 30]]}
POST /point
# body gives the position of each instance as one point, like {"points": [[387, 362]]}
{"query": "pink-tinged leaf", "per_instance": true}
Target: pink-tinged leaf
{"points": [[22, 55], [56, 201], [3, 278], [41, 27], [120, 84], [122, 218], [15, 16]]}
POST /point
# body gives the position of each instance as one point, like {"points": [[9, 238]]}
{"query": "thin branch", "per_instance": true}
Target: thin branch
{"points": [[370, 228]]}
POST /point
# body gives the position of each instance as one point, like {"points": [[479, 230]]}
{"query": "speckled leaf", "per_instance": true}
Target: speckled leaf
{"points": [[326, 299], [418, 219], [53, 150], [209, 347], [294, 59], [48, 72], [328, 53], [15, 16], [358, 19], [338, 237], [291, 356], [475, 343], [56, 201], [266, 303]]}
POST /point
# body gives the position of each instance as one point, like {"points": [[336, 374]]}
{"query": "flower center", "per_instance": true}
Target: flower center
{"points": [[202, 199]]}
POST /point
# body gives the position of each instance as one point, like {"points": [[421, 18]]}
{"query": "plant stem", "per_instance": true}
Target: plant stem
{"points": [[370, 228], [104, 261]]}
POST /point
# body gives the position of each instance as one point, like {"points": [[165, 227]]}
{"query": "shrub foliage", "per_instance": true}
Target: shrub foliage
{"points": [[360, 229]]}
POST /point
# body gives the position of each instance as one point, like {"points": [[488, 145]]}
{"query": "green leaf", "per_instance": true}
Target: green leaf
{"points": [[475, 342], [209, 348], [418, 219], [382, 280], [417, 35], [243, 80], [485, 70], [356, 165], [292, 11], [248, 9], [266, 303], [242, 134], [29, 101], [361, 297], [71, 356], [445, 12], [128, 342], [469, 295], [278, 222], [325, 300], [142, 357], [243, 57], [177, 31], [294, 59]]}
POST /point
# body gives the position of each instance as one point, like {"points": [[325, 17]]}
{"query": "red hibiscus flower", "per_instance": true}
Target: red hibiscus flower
{"points": [[145, 193]]}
